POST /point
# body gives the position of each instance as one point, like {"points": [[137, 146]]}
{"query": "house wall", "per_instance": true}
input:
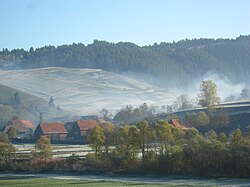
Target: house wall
{"points": [[63, 137]]}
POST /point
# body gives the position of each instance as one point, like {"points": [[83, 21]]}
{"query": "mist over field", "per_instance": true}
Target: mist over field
{"points": [[88, 91], [225, 87]]}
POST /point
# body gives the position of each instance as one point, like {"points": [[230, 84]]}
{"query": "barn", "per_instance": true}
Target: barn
{"points": [[24, 128], [54, 131], [80, 129]]}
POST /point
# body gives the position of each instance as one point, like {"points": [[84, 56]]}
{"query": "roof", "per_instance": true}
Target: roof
{"points": [[53, 128], [86, 124], [20, 125], [178, 124]]}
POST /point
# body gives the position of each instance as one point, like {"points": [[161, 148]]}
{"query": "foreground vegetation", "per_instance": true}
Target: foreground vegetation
{"points": [[142, 149]]}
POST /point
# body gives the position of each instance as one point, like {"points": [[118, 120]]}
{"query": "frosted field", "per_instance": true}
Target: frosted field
{"points": [[58, 151], [85, 91], [133, 180]]}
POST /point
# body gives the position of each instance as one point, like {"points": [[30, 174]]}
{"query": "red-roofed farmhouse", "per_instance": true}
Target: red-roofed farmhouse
{"points": [[177, 123], [54, 131], [24, 128]]}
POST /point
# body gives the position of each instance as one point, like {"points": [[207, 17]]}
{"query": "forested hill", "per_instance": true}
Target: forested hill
{"points": [[175, 63]]}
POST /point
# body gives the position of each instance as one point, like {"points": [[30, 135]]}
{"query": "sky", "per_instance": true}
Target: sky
{"points": [[36, 23]]}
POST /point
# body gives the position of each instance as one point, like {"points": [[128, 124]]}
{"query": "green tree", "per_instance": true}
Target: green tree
{"points": [[202, 119], [220, 119], [108, 130], [178, 135], [235, 141], [15, 100], [97, 139], [43, 146], [244, 94], [208, 95], [236, 138], [51, 102], [192, 134], [211, 135], [143, 137], [222, 137], [164, 135], [127, 141], [198, 120]]}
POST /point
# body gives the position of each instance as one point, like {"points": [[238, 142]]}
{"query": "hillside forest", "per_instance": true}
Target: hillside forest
{"points": [[175, 64]]}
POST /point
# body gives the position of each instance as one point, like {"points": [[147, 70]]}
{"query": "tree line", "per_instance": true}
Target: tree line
{"points": [[177, 62], [165, 149]]}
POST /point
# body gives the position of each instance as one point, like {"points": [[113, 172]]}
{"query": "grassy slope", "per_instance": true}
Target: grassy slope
{"points": [[25, 111], [27, 99]]}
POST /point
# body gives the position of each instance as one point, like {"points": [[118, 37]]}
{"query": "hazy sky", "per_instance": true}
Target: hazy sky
{"points": [[26, 23]]}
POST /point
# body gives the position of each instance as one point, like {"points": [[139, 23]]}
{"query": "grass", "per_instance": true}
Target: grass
{"points": [[20, 181]]}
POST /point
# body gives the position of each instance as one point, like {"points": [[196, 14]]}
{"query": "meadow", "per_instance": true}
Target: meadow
{"points": [[31, 181]]}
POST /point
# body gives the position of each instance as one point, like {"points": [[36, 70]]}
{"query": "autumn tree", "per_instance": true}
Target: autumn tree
{"points": [[164, 135], [7, 151], [43, 146], [208, 95], [97, 139]]}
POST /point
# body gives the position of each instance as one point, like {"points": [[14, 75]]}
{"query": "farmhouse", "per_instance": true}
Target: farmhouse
{"points": [[54, 131], [24, 128], [177, 123], [81, 128]]}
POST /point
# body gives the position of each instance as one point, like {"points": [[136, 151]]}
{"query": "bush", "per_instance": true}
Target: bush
{"points": [[100, 162]]}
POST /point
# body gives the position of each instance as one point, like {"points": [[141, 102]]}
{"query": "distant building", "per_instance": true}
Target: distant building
{"points": [[24, 128], [54, 131], [177, 123], [99, 119]]}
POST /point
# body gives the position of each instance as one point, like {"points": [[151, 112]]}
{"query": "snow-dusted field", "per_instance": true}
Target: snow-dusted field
{"points": [[142, 180], [61, 151], [85, 91]]}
